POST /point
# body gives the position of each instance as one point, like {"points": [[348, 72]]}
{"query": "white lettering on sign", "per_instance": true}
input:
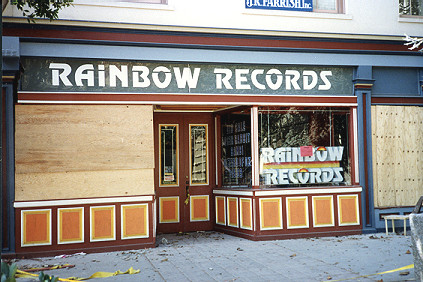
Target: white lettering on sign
{"points": [[285, 165], [161, 77], [273, 79], [141, 76], [60, 76]]}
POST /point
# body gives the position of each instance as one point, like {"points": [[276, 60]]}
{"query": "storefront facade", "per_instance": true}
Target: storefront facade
{"points": [[128, 134]]}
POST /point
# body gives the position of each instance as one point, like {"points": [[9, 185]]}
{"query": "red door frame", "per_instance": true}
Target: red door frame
{"points": [[183, 189]]}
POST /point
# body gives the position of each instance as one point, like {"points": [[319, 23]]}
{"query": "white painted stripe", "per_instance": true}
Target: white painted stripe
{"points": [[185, 103], [255, 147], [185, 94], [307, 191], [356, 164], [50, 203], [232, 192], [215, 150]]}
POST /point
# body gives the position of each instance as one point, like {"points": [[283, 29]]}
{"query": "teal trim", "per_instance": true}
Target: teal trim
{"points": [[175, 54]]}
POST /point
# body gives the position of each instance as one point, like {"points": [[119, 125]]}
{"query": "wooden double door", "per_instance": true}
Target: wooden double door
{"points": [[184, 171]]}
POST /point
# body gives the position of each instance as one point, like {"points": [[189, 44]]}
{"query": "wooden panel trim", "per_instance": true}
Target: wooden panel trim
{"points": [[93, 227], [397, 100], [290, 212], [218, 211], [308, 191], [235, 193], [233, 212], [50, 203], [124, 221], [23, 230], [243, 224], [60, 224], [356, 206], [279, 225], [315, 213]]}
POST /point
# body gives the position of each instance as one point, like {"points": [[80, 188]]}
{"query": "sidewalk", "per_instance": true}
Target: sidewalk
{"points": [[213, 256]]}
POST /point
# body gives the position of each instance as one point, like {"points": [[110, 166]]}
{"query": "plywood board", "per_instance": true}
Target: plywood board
{"points": [[64, 138], [399, 160], [374, 156], [397, 155], [385, 157], [83, 184]]}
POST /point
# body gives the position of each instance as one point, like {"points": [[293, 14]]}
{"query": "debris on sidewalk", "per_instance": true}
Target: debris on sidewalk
{"points": [[66, 256], [48, 267]]}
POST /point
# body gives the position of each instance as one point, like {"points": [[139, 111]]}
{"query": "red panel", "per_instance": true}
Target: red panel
{"points": [[198, 39]]}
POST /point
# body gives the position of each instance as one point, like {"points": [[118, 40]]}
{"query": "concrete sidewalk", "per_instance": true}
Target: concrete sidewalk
{"points": [[213, 256]]}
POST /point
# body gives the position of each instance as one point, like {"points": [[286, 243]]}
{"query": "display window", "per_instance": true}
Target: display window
{"points": [[301, 147], [236, 149], [297, 147]]}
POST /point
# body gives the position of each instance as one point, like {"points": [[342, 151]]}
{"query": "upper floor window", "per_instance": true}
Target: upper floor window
{"points": [[118, 2], [328, 6], [143, 1], [411, 7]]}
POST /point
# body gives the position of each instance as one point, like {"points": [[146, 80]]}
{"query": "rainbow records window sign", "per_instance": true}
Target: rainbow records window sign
{"points": [[301, 165], [292, 5]]}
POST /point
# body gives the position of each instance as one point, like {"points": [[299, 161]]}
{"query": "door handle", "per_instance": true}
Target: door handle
{"points": [[187, 193]]}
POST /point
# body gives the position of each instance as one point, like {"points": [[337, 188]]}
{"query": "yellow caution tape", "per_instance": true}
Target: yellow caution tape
{"points": [[100, 274], [380, 273]]}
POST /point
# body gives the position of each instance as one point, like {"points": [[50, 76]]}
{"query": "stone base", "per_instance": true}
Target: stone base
{"points": [[416, 222]]}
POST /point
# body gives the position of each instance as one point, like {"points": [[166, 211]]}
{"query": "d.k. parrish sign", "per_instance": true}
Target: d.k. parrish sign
{"points": [[293, 5], [84, 75]]}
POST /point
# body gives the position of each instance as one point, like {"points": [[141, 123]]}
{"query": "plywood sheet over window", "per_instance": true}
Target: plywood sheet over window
{"points": [[77, 151], [397, 141]]}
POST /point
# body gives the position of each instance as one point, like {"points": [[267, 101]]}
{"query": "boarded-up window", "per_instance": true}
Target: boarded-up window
{"points": [[81, 151], [397, 140]]}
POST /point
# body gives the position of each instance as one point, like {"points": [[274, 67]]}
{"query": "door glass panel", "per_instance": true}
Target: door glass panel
{"points": [[168, 155], [198, 154]]}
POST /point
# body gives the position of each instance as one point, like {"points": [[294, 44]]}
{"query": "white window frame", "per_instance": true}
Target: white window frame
{"points": [[340, 8], [409, 15]]}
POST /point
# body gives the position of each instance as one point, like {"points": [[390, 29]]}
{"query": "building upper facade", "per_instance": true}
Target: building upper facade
{"points": [[328, 18]]}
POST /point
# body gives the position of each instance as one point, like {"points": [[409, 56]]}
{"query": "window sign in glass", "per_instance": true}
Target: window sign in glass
{"points": [[236, 149], [198, 154], [304, 147], [168, 155]]}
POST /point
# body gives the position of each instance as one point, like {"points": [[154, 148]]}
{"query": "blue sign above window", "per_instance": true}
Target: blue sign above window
{"points": [[292, 5]]}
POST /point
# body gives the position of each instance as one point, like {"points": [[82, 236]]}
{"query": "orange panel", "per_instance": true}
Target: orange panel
{"points": [[134, 221], [36, 227], [323, 211], [246, 214], [169, 209], [220, 210], [102, 223], [348, 210], [199, 208], [233, 212], [297, 212], [70, 225], [270, 213]]}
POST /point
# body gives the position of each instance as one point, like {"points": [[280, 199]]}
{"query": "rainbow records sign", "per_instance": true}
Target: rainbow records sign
{"points": [[301, 165]]}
